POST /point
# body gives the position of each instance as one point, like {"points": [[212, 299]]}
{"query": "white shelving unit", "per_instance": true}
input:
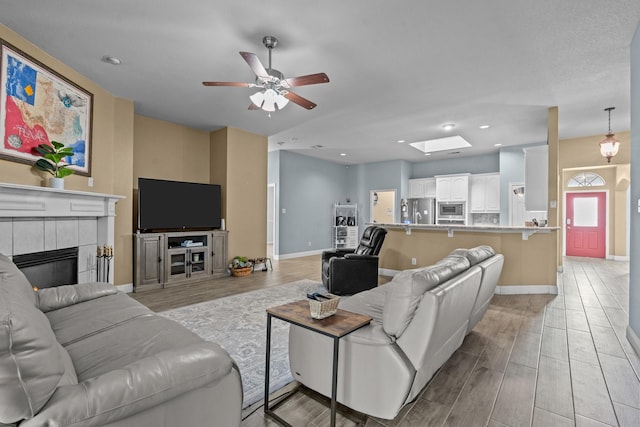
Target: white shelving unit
{"points": [[345, 226]]}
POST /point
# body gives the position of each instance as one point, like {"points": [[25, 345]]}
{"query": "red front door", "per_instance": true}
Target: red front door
{"points": [[586, 224]]}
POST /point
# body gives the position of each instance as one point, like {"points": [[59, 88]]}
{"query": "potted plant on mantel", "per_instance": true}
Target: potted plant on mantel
{"points": [[241, 266], [51, 162]]}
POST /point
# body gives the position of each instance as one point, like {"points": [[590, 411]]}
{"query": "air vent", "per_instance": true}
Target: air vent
{"points": [[454, 152], [317, 147]]}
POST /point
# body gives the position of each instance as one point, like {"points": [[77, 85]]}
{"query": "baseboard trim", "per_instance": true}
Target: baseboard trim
{"points": [[300, 254], [387, 272], [126, 288], [634, 340], [526, 289], [618, 258]]}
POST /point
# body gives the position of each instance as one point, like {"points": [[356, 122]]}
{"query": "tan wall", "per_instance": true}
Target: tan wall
{"points": [[122, 175], [526, 262], [165, 150], [245, 174], [111, 131], [583, 155]]}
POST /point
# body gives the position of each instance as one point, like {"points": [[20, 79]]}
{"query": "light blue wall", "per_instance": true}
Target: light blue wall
{"points": [[389, 175], [634, 271], [477, 164], [307, 189], [511, 171]]}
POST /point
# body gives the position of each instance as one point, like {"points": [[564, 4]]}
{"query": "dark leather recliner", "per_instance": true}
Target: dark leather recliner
{"points": [[349, 271]]}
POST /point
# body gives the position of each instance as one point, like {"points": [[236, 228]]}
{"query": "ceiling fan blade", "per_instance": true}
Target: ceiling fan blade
{"points": [[253, 106], [310, 79], [234, 84], [255, 64], [303, 102]]}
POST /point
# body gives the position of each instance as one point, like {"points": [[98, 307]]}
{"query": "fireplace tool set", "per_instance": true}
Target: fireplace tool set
{"points": [[103, 262]]}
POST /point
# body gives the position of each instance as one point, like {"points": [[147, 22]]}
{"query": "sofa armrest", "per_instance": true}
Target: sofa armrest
{"points": [[139, 386], [361, 257], [49, 299]]}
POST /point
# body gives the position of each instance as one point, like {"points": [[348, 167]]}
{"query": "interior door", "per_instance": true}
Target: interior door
{"points": [[586, 224]]}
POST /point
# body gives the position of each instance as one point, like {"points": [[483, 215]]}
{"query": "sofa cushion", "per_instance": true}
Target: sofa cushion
{"points": [[48, 299], [31, 364], [126, 343], [15, 281], [475, 255], [407, 287], [75, 322]]}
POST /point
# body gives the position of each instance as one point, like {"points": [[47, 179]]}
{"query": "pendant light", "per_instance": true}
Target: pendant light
{"points": [[609, 146]]}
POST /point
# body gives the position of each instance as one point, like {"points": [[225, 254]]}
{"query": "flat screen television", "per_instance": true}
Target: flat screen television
{"points": [[177, 205]]}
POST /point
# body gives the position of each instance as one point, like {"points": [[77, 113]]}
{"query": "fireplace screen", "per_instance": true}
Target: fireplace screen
{"points": [[50, 268]]}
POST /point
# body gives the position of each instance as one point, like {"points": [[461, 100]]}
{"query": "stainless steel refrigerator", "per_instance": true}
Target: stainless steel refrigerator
{"points": [[421, 211]]}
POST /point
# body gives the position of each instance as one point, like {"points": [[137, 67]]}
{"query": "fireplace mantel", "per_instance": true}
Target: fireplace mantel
{"points": [[20, 201], [35, 219]]}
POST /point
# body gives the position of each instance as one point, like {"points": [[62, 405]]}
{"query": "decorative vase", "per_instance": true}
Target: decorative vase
{"points": [[56, 182]]}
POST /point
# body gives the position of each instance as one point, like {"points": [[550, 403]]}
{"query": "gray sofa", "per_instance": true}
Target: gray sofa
{"points": [[88, 355], [419, 319]]}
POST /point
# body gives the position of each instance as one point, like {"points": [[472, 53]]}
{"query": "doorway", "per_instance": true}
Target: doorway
{"points": [[586, 224], [383, 206]]}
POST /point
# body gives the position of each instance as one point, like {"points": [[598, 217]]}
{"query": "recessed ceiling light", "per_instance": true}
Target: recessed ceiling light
{"points": [[400, 141], [343, 154], [448, 126], [485, 126], [427, 154], [497, 145], [111, 60]]}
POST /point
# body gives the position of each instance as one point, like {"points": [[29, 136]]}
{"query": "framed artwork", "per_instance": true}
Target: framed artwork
{"points": [[38, 105]]}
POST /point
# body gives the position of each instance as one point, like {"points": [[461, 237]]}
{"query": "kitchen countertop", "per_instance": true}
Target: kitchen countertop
{"points": [[453, 228]]}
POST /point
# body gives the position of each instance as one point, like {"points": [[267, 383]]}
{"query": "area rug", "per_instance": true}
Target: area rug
{"points": [[239, 324]]}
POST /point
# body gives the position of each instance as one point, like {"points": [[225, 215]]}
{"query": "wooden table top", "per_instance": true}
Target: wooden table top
{"points": [[338, 325]]}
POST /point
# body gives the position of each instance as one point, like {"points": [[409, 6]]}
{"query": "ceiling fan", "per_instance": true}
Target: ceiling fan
{"points": [[275, 93]]}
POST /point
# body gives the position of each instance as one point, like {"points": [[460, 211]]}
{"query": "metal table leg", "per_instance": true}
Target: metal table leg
{"points": [[334, 381], [267, 364], [268, 412]]}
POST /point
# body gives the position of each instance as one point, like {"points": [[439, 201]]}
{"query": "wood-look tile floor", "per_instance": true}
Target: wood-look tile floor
{"points": [[534, 360]]}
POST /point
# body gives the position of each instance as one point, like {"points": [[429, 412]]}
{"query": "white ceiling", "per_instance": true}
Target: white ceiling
{"points": [[398, 69]]}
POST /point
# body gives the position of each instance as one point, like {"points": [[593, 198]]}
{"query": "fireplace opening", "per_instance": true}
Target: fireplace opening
{"points": [[50, 268]]}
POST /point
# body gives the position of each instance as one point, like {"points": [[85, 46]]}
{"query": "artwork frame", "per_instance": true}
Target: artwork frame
{"points": [[38, 105]]}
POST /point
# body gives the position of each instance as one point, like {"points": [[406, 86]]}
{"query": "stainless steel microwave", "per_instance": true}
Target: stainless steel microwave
{"points": [[451, 210]]}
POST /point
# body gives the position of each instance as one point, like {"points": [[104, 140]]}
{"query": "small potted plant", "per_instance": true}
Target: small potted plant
{"points": [[241, 266], [52, 162]]}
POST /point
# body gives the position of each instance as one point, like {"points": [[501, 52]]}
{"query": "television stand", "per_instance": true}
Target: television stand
{"points": [[176, 258]]}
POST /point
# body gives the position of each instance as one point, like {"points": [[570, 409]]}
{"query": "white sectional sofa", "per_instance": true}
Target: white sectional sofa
{"points": [[419, 319]]}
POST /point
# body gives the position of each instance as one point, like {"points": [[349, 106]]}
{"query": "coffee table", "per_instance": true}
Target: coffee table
{"points": [[337, 326]]}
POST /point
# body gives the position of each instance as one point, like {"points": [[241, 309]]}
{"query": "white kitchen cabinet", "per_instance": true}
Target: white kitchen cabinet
{"points": [[484, 193], [452, 188], [422, 187]]}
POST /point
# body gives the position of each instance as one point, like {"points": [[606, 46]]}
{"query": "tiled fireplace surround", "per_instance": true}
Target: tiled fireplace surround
{"points": [[37, 219]]}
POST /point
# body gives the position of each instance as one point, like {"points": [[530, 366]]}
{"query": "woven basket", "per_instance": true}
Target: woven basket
{"points": [[325, 308], [241, 272]]}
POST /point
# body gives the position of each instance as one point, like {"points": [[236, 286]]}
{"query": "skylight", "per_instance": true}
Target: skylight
{"points": [[441, 144]]}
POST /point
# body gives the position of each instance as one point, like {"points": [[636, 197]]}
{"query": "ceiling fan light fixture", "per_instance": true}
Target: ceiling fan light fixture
{"points": [[609, 146], [257, 99], [281, 102]]}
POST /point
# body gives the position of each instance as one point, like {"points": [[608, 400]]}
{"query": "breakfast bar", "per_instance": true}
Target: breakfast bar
{"points": [[530, 253]]}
